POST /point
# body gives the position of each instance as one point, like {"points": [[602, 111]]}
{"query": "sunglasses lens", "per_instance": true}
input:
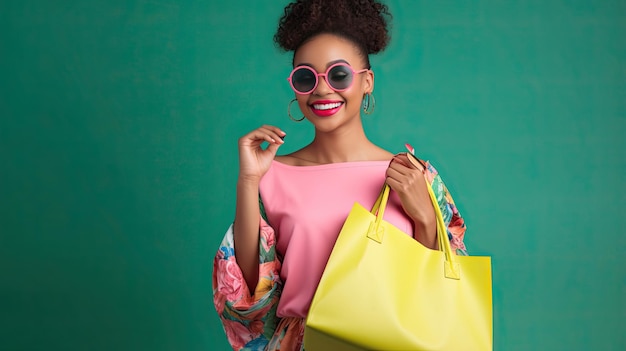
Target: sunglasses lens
{"points": [[340, 77], [303, 80]]}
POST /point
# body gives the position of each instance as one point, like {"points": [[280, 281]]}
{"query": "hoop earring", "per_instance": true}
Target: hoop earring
{"points": [[368, 103], [289, 112]]}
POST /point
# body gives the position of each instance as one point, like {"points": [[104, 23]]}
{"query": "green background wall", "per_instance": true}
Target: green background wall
{"points": [[118, 130]]}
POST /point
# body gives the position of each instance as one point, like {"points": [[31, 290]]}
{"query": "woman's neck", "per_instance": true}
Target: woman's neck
{"points": [[340, 146]]}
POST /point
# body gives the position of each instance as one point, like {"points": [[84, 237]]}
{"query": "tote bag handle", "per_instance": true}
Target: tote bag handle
{"points": [[452, 269]]}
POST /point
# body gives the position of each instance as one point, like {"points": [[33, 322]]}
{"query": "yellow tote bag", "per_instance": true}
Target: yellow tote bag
{"points": [[383, 290]]}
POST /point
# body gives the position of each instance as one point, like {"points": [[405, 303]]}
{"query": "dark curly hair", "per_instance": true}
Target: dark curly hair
{"points": [[364, 22]]}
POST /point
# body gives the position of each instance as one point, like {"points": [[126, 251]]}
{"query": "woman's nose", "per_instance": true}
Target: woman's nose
{"points": [[322, 86]]}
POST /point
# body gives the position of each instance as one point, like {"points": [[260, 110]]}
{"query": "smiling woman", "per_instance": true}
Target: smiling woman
{"points": [[340, 93], [290, 208], [118, 121]]}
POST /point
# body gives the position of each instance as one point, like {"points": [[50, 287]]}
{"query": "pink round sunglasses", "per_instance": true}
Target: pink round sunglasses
{"points": [[339, 76]]}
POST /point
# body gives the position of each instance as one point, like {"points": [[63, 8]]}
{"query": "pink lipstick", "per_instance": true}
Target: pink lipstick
{"points": [[325, 108]]}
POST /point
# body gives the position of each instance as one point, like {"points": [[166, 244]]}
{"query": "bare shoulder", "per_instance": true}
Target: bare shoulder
{"points": [[378, 153]]}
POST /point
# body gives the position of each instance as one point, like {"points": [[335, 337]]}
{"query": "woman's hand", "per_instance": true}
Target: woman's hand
{"points": [[406, 178], [254, 161]]}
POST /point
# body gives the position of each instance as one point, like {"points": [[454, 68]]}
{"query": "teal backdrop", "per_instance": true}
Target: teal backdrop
{"points": [[119, 123]]}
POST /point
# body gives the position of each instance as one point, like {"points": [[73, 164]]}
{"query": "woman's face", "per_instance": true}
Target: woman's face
{"points": [[326, 108]]}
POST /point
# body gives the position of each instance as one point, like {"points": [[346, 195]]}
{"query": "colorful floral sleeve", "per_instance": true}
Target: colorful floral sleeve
{"points": [[451, 215], [249, 320]]}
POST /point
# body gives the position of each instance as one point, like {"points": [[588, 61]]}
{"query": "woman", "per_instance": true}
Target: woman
{"points": [[290, 208]]}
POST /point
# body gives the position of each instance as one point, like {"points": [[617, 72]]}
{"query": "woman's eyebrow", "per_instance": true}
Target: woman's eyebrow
{"points": [[327, 65], [305, 64], [336, 61]]}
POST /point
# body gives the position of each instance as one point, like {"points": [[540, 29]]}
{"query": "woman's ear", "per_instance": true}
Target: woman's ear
{"points": [[368, 82]]}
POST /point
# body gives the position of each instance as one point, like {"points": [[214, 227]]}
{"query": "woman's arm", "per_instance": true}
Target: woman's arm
{"points": [[254, 162], [246, 230]]}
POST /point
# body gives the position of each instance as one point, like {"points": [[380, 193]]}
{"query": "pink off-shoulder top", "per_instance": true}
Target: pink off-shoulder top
{"points": [[306, 206]]}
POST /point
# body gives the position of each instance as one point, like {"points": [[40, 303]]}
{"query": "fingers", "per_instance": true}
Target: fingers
{"points": [[273, 147], [403, 182], [394, 184], [401, 166], [276, 134], [272, 135], [409, 161], [416, 162], [397, 159], [402, 177], [394, 173]]}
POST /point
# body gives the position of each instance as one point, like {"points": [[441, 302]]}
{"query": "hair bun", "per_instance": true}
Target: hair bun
{"points": [[363, 21]]}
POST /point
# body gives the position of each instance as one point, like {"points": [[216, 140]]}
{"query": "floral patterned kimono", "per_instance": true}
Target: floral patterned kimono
{"points": [[249, 318]]}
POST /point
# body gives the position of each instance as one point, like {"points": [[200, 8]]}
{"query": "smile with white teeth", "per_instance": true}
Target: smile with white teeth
{"points": [[327, 106]]}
